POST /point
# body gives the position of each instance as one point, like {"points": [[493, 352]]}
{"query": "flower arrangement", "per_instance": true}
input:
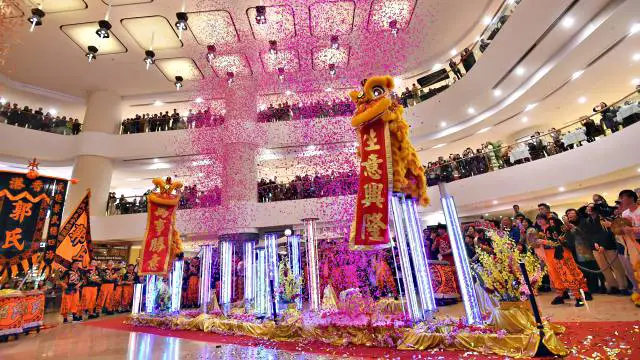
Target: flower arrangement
{"points": [[500, 271], [290, 285]]}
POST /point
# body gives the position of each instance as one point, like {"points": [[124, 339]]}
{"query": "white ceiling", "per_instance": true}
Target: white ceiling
{"points": [[49, 59]]}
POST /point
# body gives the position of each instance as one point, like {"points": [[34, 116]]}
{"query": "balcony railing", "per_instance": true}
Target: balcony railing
{"points": [[604, 121]]}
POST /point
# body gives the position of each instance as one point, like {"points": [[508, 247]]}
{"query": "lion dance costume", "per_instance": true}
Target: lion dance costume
{"points": [[374, 103]]}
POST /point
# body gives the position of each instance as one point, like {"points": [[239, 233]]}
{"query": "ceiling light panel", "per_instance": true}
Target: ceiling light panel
{"points": [[287, 59], [280, 23], [384, 11], [125, 2], [237, 64], [84, 35], [55, 6], [213, 27], [322, 57], [331, 18], [157, 28], [185, 67]]}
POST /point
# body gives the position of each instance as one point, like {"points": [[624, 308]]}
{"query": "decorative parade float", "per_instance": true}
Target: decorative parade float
{"points": [[282, 298]]}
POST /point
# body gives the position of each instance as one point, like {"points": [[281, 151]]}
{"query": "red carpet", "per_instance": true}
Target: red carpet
{"points": [[608, 339]]}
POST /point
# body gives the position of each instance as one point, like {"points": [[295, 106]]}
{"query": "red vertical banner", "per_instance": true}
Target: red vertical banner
{"points": [[370, 228], [158, 240]]}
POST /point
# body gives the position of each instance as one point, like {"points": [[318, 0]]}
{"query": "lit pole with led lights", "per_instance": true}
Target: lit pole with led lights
{"points": [[205, 277], [472, 309], [175, 284], [313, 282]]}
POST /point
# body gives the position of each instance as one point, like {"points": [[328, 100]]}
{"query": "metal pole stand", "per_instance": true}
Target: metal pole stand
{"points": [[175, 284], [543, 350]]}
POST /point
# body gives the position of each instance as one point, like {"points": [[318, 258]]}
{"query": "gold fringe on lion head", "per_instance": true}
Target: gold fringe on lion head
{"points": [[374, 103]]}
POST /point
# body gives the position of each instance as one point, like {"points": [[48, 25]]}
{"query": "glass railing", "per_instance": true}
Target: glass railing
{"points": [[38, 120], [605, 120], [124, 205], [437, 80], [309, 187]]}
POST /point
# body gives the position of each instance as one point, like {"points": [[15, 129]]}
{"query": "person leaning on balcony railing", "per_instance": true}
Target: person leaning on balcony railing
{"points": [[468, 59], [455, 69]]}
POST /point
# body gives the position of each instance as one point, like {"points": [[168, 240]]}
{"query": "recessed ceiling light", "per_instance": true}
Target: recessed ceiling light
{"points": [[453, 52], [530, 106], [436, 67], [635, 28], [471, 110], [582, 100], [158, 103], [636, 57], [53, 112], [520, 71], [397, 80], [484, 130], [635, 81], [486, 20], [495, 202], [198, 100], [156, 160], [568, 21], [443, 123], [577, 74], [525, 119], [561, 188], [497, 92], [438, 146], [485, 215]]}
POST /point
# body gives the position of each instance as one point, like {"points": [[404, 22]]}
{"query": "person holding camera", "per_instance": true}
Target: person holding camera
{"points": [[605, 250]]}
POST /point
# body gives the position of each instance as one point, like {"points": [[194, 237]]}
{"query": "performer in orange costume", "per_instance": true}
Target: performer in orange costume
{"points": [[90, 290], [128, 280], [105, 298], [193, 288], [563, 271], [70, 281], [384, 276], [116, 303]]}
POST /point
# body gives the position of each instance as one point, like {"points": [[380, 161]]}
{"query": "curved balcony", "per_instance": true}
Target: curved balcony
{"points": [[584, 170]]}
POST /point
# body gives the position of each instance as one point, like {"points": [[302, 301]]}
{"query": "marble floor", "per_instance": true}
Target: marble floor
{"points": [[77, 341]]}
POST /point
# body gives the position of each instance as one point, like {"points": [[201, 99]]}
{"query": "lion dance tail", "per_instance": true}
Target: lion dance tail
{"points": [[408, 173]]}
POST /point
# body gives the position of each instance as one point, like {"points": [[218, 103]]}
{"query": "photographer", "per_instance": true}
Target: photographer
{"points": [[596, 229]]}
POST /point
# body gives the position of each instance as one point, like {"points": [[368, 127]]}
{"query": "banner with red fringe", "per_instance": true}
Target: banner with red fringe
{"points": [[370, 229], [24, 201], [74, 240]]}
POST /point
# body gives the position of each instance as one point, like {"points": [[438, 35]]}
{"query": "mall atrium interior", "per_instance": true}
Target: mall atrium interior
{"points": [[319, 179]]}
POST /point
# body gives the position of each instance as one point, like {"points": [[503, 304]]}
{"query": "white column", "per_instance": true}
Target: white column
{"points": [[93, 172]]}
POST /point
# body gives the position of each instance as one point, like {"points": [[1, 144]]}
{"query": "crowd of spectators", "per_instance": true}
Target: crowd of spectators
{"points": [[307, 186], [191, 198], [601, 239], [492, 156], [28, 118], [165, 121], [297, 111]]}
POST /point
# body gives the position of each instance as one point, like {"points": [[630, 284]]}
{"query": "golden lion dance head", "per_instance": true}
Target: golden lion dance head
{"points": [[373, 101]]}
